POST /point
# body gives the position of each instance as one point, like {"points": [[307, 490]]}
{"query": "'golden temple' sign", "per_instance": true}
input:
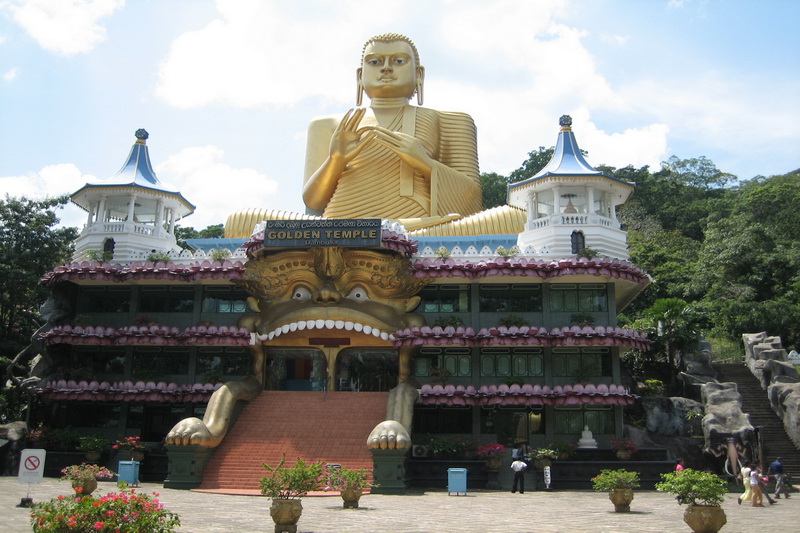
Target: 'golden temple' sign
{"points": [[326, 232]]}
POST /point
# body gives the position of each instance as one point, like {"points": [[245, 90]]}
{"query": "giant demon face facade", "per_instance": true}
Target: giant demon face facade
{"points": [[333, 291]]}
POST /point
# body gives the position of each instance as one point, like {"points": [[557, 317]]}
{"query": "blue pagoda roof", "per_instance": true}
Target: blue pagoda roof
{"points": [[136, 172], [567, 159]]}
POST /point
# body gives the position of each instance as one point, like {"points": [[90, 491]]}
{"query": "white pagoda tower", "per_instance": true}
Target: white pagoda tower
{"points": [[130, 214], [571, 205]]}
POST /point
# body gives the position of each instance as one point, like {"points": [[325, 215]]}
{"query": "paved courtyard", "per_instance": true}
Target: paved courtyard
{"points": [[477, 512]]}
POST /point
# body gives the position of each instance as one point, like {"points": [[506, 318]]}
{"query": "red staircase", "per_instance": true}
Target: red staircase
{"points": [[331, 427]]}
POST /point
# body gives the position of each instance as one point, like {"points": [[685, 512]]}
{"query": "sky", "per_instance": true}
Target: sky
{"points": [[226, 88]]}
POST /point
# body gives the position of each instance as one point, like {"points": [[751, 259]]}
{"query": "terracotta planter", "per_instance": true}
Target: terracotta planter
{"points": [[93, 456], [494, 463], [137, 456], [350, 498], [285, 514], [87, 486], [705, 518], [541, 463], [623, 455], [621, 498]]}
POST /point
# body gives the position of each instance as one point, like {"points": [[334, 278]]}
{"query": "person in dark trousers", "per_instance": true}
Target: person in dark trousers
{"points": [[776, 469], [519, 468]]}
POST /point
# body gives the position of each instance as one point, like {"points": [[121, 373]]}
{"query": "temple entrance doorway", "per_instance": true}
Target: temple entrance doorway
{"points": [[367, 369], [299, 369]]}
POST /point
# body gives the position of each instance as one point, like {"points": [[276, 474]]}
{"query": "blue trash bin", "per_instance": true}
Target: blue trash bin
{"points": [[457, 481], [129, 472]]}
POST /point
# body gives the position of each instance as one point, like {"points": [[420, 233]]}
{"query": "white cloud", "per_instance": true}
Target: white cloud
{"points": [[66, 27], [11, 74], [52, 180], [266, 54], [215, 187]]}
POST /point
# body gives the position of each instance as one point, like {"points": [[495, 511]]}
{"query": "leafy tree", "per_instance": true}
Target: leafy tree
{"points": [[676, 327], [495, 189], [536, 161], [698, 172], [214, 231], [30, 246]]}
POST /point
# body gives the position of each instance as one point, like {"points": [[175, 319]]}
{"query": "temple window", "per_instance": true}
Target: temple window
{"points": [[104, 300], [164, 299], [168, 363], [442, 420], [510, 298], [581, 364], [509, 362], [224, 300], [104, 363], [512, 425], [214, 364], [571, 420], [578, 241], [89, 415], [445, 299], [456, 360], [574, 298]]}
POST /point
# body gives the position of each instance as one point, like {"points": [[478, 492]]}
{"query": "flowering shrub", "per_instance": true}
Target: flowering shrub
{"points": [[83, 472], [132, 444], [624, 445], [124, 512], [563, 448], [491, 450], [38, 437], [542, 453]]}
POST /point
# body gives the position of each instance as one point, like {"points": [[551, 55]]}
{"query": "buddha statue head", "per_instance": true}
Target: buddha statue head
{"points": [[390, 69]]}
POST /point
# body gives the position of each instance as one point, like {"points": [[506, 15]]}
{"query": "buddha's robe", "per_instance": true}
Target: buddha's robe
{"points": [[377, 184]]}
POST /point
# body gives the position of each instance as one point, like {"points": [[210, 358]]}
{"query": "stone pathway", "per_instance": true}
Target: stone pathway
{"points": [[418, 512]]}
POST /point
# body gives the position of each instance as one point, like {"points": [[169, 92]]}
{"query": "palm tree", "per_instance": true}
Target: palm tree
{"points": [[676, 326]]}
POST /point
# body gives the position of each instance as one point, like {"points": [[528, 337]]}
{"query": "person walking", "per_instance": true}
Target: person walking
{"points": [[755, 486], [776, 469], [519, 467], [744, 475]]}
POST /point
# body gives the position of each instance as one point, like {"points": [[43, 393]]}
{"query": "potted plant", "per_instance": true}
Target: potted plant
{"points": [[286, 485], [443, 448], [542, 457], [122, 511], [619, 484], [704, 492], [92, 446], [84, 476], [350, 483], [563, 448], [624, 448], [132, 445], [492, 454]]}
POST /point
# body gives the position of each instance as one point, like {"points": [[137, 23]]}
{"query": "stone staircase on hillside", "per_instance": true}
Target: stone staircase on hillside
{"points": [[775, 441], [331, 427]]}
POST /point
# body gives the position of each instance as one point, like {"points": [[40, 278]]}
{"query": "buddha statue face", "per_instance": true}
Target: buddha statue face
{"points": [[389, 70]]}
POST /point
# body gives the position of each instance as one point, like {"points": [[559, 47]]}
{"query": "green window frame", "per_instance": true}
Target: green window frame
{"points": [[510, 298], [512, 362], [445, 299], [579, 298]]}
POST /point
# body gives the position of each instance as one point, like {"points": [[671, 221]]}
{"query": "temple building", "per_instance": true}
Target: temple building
{"points": [[505, 338]]}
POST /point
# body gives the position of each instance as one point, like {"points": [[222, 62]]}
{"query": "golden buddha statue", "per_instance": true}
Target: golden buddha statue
{"points": [[392, 160]]}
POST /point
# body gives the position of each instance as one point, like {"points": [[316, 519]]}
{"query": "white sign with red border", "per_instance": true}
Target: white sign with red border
{"points": [[31, 466]]}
